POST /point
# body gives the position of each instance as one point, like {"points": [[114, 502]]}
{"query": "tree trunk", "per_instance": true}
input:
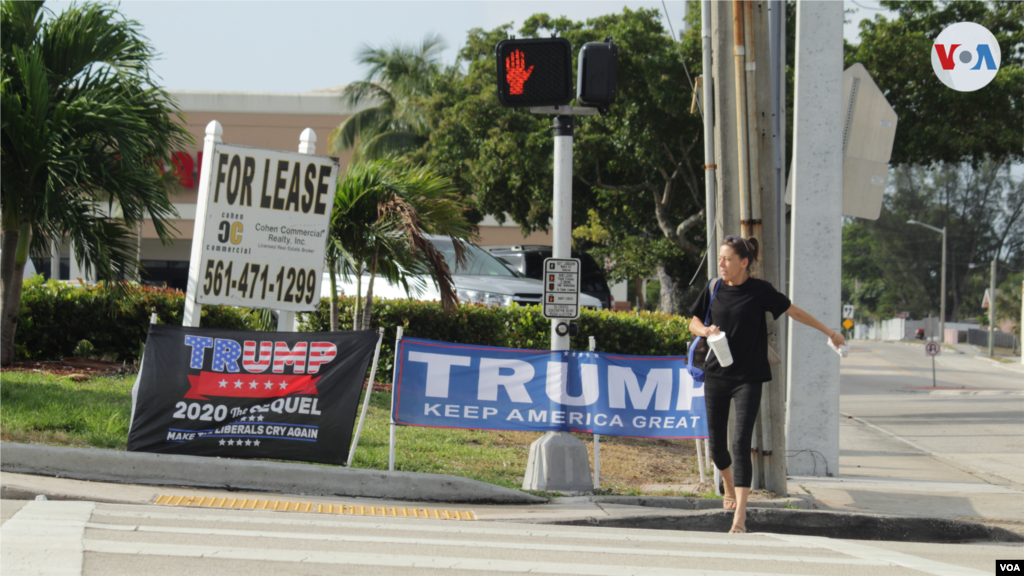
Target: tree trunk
{"points": [[12, 267], [357, 310], [669, 302], [369, 293]]}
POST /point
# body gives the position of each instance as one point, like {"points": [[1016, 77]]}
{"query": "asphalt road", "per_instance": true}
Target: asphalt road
{"points": [[974, 418], [111, 540]]}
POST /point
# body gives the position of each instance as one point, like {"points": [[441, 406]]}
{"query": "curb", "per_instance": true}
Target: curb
{"points": [[851, 526], [251, 475], [682, 503]]}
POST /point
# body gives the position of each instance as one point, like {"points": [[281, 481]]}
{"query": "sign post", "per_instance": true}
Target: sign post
{"points": [[933, 349]]}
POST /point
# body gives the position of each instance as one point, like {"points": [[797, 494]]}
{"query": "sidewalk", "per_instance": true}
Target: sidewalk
{"points": [[878, 473], [868, 509]]}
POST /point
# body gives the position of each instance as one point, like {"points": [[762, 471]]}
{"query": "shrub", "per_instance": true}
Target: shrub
{"points": [[56, 316], [645, 334]]}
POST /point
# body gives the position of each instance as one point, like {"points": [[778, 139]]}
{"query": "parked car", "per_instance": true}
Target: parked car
{"points": [[528, 260], [484, 279]]}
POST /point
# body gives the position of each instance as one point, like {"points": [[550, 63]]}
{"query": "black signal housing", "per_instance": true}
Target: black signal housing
{"points": [[597, 74]]}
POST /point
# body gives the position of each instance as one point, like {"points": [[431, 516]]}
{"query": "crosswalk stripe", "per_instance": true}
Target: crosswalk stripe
{"points": [[494, 529], [485, 544], [44, 529], [396, 560], [890, 557]]}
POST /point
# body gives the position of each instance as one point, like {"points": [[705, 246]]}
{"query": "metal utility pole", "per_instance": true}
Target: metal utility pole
{"points": [[709, 137], [942, 283], [561, 238], [992, 311]]}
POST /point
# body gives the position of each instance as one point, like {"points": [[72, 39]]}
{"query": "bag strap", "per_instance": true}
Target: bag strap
{"points": [[713, 286]]}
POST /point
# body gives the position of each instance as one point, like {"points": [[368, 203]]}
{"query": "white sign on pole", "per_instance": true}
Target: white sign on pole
{"points": [[562, 288], [932, 348], [266, 226], [848, 310]]}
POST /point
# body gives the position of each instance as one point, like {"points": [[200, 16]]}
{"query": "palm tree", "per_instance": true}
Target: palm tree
{"points": [[398, 78], [383, 212], [83, 125]]}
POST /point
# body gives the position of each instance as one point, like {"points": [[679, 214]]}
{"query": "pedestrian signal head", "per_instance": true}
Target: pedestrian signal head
{"points": [[596, 74], [534, 72]]}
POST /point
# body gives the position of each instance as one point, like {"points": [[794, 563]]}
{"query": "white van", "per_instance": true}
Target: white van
{"points": [[484, 280]]}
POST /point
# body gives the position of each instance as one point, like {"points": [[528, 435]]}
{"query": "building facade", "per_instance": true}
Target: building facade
{"points": [[271, 120]]}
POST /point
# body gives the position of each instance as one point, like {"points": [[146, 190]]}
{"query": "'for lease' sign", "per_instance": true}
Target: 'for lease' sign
{"points": [[267, 216]]}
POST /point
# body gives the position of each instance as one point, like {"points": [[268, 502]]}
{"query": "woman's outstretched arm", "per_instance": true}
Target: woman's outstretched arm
{"points": [[801, 316]]}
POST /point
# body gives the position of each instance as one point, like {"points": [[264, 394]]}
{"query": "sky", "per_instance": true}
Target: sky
{"points": [[297, 46]]}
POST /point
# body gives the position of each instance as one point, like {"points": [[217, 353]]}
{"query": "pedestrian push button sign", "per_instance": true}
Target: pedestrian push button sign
{"points": [[562, 288]]}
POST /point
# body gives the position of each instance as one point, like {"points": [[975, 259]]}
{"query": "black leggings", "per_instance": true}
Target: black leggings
{"points": [[747, 395]]}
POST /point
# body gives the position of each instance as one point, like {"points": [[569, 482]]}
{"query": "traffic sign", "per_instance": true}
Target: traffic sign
{"points": [[266, 217], [848, 310], [932, 348], [561, 288], [847, 323]]}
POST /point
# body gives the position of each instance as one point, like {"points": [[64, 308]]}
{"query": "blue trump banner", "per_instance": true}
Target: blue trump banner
{"points": [[445, 385]]}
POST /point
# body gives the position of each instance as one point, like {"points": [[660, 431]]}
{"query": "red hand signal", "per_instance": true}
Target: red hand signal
{"points": [[516, 72]]}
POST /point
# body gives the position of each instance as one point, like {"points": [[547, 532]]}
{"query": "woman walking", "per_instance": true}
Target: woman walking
{"points": [[738, 307]]}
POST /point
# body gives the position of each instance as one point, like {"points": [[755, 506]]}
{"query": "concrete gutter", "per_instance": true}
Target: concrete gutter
{"points": [[817, 523], [254, 475]]}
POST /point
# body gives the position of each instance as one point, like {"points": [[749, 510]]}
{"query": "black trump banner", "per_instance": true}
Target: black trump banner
{"points": [[282, 395]]}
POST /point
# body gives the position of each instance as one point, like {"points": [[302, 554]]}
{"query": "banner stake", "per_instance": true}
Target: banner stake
{"points": [[366, 401], [394, 380], [597, 438]]}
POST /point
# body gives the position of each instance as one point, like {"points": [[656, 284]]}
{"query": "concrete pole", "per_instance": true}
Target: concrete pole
{"points": [[812, 417], [193, 310], [992, 311]]}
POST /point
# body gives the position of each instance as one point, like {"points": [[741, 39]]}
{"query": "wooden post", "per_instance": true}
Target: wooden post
{"points": [[193, 309]]}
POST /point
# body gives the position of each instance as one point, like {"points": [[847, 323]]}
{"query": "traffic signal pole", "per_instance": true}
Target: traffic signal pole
{"points": [[562, 209]]}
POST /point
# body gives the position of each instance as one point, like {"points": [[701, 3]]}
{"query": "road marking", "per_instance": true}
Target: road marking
{"points": [[397, 560], [45, 538], [486, 544], [311, 507], [891, 557], [541, 531]]}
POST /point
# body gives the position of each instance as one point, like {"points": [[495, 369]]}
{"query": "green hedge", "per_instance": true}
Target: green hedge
{"points": [[646, 334], [55, 316]]}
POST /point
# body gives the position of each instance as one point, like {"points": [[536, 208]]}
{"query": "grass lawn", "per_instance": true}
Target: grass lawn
{"points": [[46, 409]]}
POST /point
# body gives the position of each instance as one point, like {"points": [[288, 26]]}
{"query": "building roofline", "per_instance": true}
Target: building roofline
{"points": [[264, 102]]}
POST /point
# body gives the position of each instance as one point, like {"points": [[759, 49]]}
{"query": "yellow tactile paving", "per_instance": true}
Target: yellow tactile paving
{"points": [[284, 506]]}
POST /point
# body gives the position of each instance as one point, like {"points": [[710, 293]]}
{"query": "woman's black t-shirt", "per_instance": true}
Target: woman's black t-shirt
{"points": [[739, 312]]}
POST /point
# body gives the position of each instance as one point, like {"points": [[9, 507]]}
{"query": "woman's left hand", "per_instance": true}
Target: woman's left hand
{"points": [[837, 339]]}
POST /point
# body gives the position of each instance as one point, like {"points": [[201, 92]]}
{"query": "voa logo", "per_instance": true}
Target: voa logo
{"points": [[965, 56]]}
